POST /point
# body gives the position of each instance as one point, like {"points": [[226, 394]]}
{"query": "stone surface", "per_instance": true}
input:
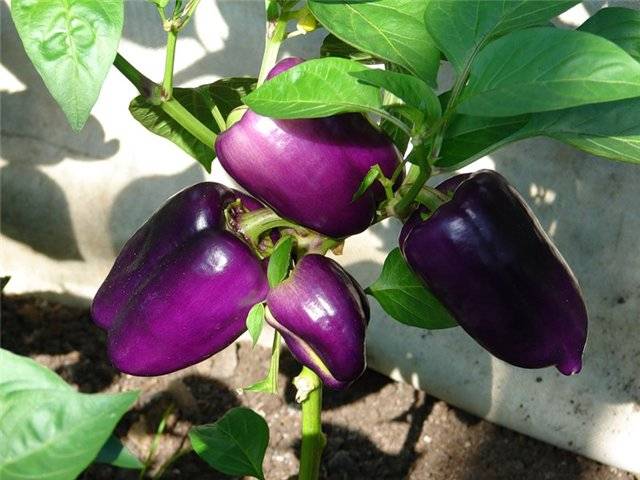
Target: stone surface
{"points": [[69, 201]]}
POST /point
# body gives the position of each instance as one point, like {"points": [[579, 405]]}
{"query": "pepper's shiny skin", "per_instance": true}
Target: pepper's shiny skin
{"points": [[322, 314], [486, 257], [181, 287], [308, 170]]}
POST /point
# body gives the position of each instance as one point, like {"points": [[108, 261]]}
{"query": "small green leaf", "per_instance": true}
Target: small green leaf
{"points": [[255, 322], [4, 281], [235, 444], [372, 175], [393, 30], [405, 298], [280, 261], [72, 44], [461, 28], [411, 90], [116, 453], [542, 69], [619, 25], [332, 46], [397, 135], [316, 88], [55, 431]]}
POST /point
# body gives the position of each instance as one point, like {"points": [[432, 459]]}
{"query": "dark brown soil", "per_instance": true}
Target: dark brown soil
{"points": [[377, 429]]}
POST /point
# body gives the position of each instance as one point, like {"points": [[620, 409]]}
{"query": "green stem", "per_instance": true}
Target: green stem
{"points": [[417, 175], [253, 224], [194, 126], [275, 35], [167, 81], [313, 440], [150, 91], [145, 86]]}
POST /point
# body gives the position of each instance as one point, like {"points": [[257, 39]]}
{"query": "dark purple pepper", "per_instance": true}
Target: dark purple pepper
{"points": [[181, 287], [322, 314], [486, 257], [308, 170]]}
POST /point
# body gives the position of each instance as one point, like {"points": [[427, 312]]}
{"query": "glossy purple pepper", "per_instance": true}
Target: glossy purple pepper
{"points": [[308, 170], [488, 260], [322, 314], [181, 287]]}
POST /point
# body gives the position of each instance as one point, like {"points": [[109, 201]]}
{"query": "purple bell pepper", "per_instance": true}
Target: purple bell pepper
{"points": [[308, 170], [322, 314], [486, 257], [181, 287]]}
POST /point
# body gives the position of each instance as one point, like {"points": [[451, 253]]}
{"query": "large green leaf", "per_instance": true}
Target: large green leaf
{"points": [[468, 138], [72, 44], [462, 27], [390, 29], [316, 88], [405, 298], [52, 431], [610, 130], [620, 25], [235, 444], [542, 69]]}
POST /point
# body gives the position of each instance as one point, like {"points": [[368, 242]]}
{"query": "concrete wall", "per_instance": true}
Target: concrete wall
{"points": [[70, 200]]}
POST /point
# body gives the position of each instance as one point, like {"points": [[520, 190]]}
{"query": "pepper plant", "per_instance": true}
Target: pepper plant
{"points": [[326, 147]]}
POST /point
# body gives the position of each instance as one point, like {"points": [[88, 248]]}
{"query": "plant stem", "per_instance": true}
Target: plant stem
{"points": [[195, 127], [313, 440], [145, 86], [274, 36], [151, 92], [167, 81]]}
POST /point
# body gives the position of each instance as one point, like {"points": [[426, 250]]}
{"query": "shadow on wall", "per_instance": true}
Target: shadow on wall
{"points": [[41, 221], [128, 213]]}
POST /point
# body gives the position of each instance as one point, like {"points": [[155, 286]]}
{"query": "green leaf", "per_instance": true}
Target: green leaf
{"points": [[461, 28], [235, 444], [255, 322], [55, 431], [372, 175], [543, 69], [72, 44], [154, 119], [115, 453], [405, 298], [280, 261], [332, 46], [411, 90], [610, 130], [468, 138], [316, 88], [397, 135], [390, 29], [227, 93], [269, 383], [619, 25]]}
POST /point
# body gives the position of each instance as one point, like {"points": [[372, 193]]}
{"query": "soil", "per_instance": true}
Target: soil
{"points": [[377, 429]]}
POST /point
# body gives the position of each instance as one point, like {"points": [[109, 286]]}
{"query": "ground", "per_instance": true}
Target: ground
{"points": [[377, 429]]}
